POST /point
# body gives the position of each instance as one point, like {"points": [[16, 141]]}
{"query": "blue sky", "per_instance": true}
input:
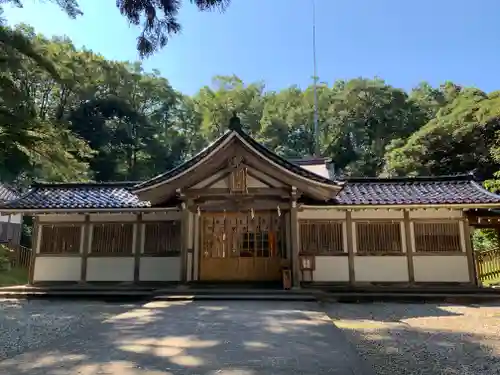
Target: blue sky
{"points": [[401, 41]]}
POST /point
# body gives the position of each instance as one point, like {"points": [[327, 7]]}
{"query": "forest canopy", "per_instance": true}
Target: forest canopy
{"points": [[71, 114]]}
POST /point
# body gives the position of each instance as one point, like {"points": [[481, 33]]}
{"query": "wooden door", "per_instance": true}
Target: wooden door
{"points": [[237, 247]]}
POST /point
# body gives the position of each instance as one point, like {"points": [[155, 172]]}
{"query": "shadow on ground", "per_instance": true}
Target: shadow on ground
{"points": [[244, 338]]}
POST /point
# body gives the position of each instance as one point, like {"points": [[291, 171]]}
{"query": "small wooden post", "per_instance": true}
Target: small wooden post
{"points": [[350, 247], [409, 246], [139, 234], [294, 231], [84, 251], [34, 248], [470, 253]]}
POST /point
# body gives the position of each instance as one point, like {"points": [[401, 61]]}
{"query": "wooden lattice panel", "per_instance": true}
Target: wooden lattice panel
{"points": [[60, 239], [378, 237], [321, 237], [437, 237], [112, 238], [163, 238]]}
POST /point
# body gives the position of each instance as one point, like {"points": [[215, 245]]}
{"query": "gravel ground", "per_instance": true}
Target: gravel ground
{"points": [[428, 339], [29, 324], [68, 337]]}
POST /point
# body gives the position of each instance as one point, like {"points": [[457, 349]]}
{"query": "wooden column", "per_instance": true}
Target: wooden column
{"points": [[470, 253], [294, 241], [86, 228], [409, 245], [185, 237], [350, 247], [138, 247], [35, 248]]}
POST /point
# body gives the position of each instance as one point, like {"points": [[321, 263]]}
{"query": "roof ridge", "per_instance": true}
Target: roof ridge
{"points": [[159, 177], [48, 185], [403, 179]]}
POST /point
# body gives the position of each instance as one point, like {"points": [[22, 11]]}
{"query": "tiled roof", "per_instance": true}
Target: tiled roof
{"points": [[291, 166], [187, 164], [415, 190], [295, 168], [78, 196], [7, 194]]}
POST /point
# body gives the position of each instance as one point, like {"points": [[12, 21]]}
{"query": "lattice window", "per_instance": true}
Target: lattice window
{"points": [[437, 237], [60, 239], [321, 237], [163, 238], [378, 238], [112, 238]]}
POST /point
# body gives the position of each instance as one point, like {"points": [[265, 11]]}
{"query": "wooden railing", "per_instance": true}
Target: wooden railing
{"points": [[20, 256], [488, 265]]}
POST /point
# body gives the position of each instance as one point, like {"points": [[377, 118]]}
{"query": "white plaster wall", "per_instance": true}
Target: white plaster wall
{"points": [[321, 214], [431, 213], [265, 178], [435, 268], [331, 269], [15, 218], [252, 182], [208, 181], [57, 269], [381, 268], [160, 269], [61, 218], [110, 269], [319, 169]]}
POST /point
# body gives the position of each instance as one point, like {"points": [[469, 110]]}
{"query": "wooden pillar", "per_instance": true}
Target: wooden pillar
{"points": [[185, 238], [85, 246], [138, 247], [294, 241], [470, 253], [350, 247], [35, 248], [409, 246]]}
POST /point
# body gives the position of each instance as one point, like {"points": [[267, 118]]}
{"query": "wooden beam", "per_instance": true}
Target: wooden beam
{"points": [[86, 228], [350, 247], [409, 245], [470, 253], [184, 237], [294, 241], [34, 249], [138, 247], [225, 192]]}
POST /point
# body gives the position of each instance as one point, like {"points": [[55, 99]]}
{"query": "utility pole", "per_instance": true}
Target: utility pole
{"points": [[315, 82]]}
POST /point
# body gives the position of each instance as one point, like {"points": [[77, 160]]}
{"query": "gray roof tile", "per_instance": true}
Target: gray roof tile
{"points": [[415, 190], [7, 194], [77, 195]]}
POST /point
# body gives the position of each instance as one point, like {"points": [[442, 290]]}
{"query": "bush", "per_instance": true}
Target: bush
{"points": [[4, 258]]}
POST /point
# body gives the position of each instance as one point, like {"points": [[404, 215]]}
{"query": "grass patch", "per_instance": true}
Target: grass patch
{"points": [[16, 276], [491, 282]]}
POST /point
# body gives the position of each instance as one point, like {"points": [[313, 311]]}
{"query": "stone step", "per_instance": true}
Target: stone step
{"points": [[235, 297]]}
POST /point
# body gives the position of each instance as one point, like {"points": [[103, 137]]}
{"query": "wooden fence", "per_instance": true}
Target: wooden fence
{"points": [[488, 266], [20, 256]]}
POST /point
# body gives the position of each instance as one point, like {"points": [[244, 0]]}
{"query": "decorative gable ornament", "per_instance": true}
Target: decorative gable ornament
{"points": [[238, 176]]}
